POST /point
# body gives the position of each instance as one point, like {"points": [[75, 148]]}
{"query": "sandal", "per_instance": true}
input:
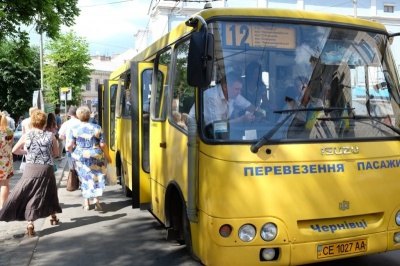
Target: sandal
{"points": [[30, 229], [86, 207], [54, 220], [97, 207]]}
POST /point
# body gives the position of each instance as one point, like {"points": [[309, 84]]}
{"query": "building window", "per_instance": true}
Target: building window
{"points": [[96, 83], [88, 87], [388, 8]]}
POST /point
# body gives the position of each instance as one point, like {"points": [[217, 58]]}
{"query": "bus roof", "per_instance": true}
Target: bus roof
{"points": [[262, 13], [289, 14]]}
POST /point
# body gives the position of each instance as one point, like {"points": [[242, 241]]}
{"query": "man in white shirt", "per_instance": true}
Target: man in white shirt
{"points": [[65, 131], [26, 123], [221, 101], [10, 120]]}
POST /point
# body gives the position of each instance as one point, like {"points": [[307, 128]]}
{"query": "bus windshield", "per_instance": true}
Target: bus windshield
{"points": [[299, 82]]}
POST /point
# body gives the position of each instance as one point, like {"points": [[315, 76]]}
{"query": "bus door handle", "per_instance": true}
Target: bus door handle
{"points": [[163, 145]]}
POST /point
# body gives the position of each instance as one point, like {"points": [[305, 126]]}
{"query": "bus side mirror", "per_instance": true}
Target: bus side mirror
{"points": [[391, 37], [200, 59]]}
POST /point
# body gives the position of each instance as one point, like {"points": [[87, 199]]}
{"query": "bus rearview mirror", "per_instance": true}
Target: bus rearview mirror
{"points": [[200, 59]]}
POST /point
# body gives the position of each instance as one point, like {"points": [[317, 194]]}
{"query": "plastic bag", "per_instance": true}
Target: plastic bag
{"points": [[111, 175], [23, 163]]}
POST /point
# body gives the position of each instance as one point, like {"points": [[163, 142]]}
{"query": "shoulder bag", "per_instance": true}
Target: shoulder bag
{"points": [[73, 180]]}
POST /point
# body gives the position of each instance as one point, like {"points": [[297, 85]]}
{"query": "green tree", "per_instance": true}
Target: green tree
{"points": [[47, 15], [67, 64], [19, 76]]}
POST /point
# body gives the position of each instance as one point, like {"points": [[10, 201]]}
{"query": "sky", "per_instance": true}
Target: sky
{"points": [[107, 25]]}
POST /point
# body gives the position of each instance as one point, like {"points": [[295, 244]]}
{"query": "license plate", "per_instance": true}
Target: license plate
{"points": [[342, 248]]}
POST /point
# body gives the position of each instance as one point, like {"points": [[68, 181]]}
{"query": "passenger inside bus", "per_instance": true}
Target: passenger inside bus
{"points": [[253, 86]]}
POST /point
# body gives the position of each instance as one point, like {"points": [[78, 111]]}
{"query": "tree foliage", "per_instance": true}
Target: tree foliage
{"points": [[46, 15], [67, 64], [19, 76]]}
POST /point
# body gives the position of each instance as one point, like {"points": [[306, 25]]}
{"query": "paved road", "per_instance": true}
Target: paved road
{"points": [[118, 236]]}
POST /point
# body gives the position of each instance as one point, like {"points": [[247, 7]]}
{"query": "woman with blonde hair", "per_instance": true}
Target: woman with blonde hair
{"points": [[35, 195], [6, 159], [88, 156]]}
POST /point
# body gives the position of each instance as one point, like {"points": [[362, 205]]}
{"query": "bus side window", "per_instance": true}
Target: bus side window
{"points": [[158, 106], [126, 104], [146, 87], [183, 94]]}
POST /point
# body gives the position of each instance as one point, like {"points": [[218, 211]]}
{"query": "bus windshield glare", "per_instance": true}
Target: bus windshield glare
{"points": [[299, 82]]}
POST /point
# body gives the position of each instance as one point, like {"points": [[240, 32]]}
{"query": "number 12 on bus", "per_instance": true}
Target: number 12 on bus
{"points": [[262, 136]]}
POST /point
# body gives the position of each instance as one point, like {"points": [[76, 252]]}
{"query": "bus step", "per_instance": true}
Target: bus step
{"points": [[172, 234]]}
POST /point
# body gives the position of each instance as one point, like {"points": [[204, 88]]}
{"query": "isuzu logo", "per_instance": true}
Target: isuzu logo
{"points": [[339, 150]]}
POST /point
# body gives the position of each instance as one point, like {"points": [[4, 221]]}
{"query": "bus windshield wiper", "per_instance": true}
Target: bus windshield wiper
{"points": [[376, 119], [264, 139], [314, 109], [361, 117]]}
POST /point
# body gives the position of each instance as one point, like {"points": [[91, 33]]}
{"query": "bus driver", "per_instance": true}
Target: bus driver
{"points": [[221, 101]]}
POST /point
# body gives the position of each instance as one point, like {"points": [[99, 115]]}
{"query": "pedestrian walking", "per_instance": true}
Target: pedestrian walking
{"points": [[10, 120], [26, 123], [21, 118], [51, 126], [6, 159], [88, 157], [65, 131], [60, 141], [35, 195]]}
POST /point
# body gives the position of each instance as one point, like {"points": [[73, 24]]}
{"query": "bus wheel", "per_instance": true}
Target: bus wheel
{"points": [[187, 235], [125, 190]]}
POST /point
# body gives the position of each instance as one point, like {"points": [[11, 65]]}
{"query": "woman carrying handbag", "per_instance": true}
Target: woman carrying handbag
{"points": [[35, 195]]}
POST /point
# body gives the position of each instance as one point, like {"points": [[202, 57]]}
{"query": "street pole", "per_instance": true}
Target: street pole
{"points": [[355, 8], [65, 90], [66, 93], [41, 65]]}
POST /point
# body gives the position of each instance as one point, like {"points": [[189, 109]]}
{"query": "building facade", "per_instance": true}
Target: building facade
{"points": [[102, 67]]}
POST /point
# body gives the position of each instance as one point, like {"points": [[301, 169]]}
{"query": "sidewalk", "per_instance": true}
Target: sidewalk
{"points": [[15, 246], [120, 235]]}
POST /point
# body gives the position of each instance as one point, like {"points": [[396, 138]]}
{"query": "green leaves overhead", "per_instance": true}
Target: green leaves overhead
{"points": [[67, 64], [47, 16], [19, 76]]}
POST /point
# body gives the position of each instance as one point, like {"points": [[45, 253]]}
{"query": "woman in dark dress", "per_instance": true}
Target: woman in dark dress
{"points": [[35, 195]]}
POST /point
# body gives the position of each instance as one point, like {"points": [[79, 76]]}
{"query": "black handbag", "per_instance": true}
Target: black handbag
{"points": [[73, 180]]}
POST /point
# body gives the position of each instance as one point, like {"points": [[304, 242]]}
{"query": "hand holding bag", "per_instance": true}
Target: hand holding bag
{"points": [[23, 163], [73, 180], [111, 175]]}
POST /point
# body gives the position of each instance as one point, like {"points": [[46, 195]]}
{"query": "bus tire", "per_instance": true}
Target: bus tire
{"points": [[125, 190], [186, 233]]}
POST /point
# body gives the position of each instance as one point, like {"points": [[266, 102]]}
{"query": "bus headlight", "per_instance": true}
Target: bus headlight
{"points": [[268, 254], [398, 218], [247, 232], [396, 237], [268, 231]]}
